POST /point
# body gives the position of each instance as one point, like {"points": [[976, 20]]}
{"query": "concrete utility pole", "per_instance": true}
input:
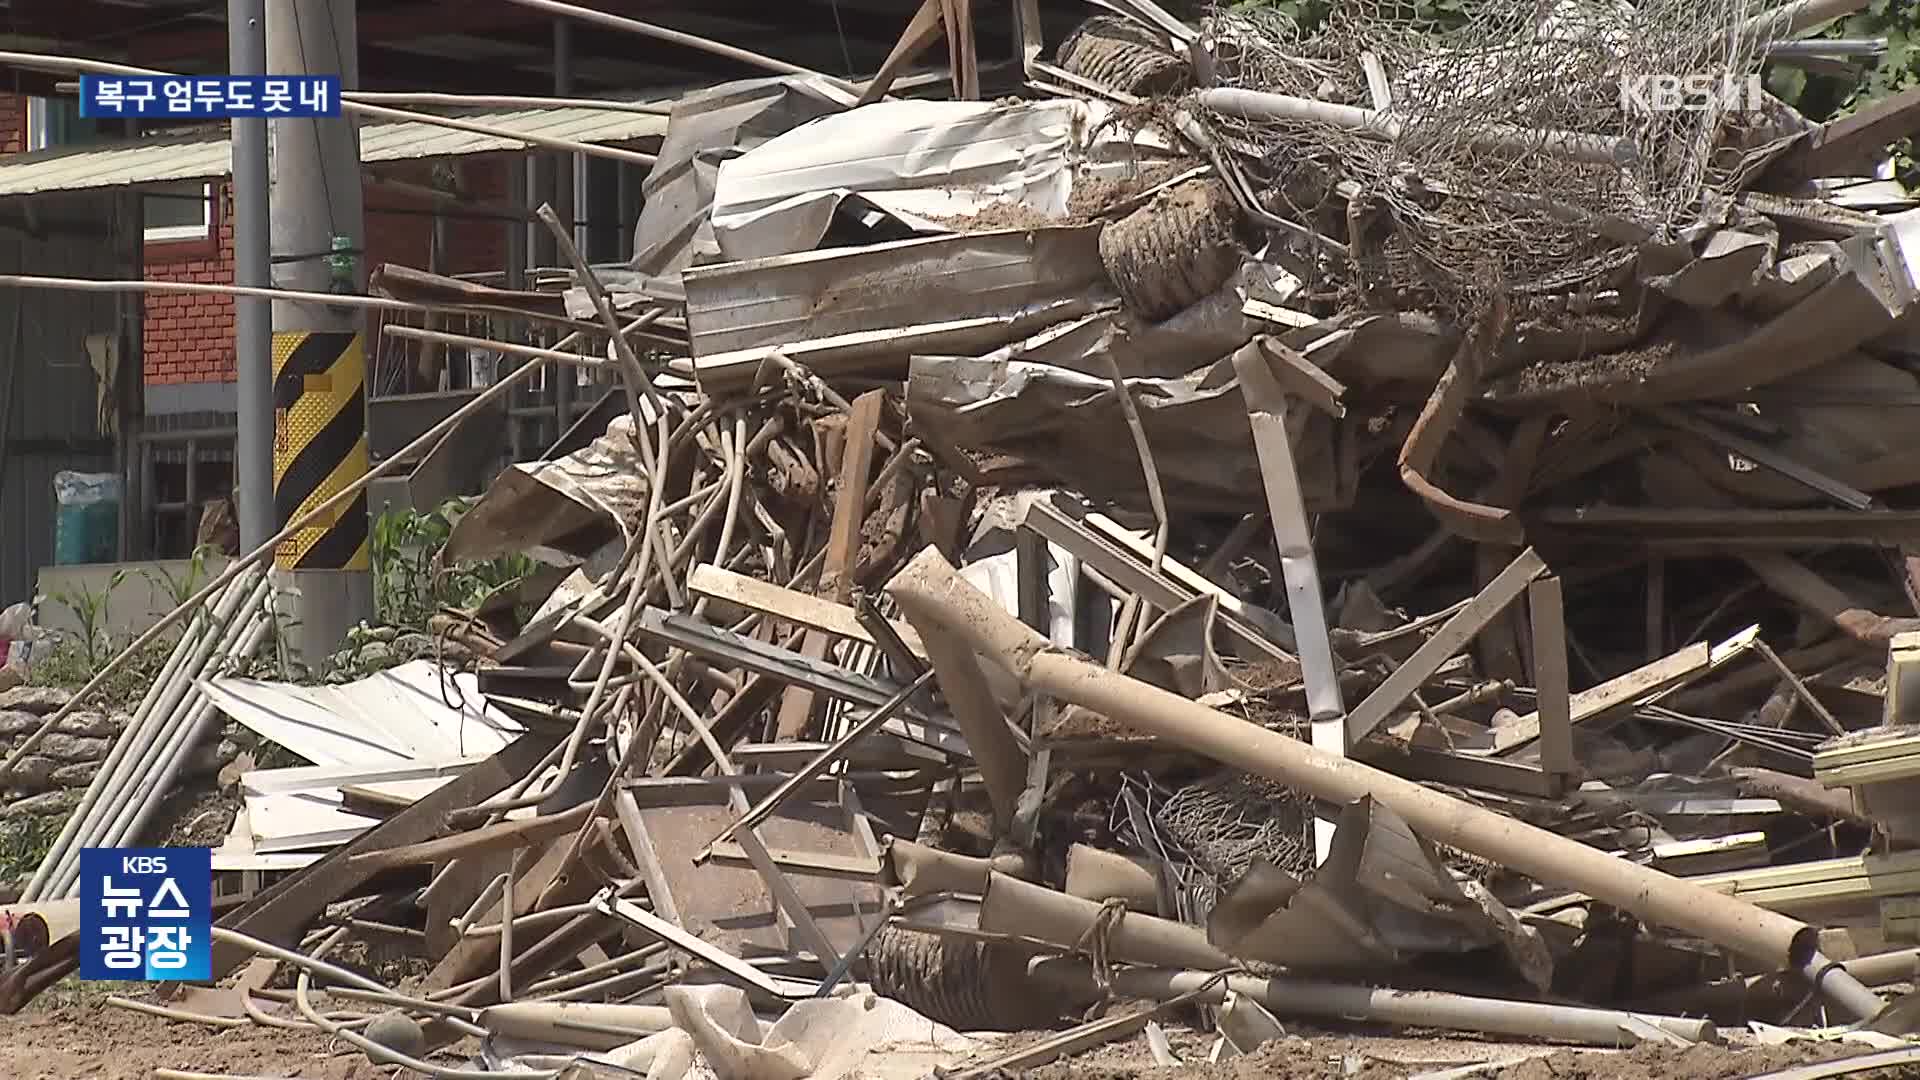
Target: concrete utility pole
{"points": [[252, 320], [319, 355]]}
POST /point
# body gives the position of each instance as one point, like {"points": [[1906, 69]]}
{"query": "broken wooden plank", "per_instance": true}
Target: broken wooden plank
{"points": [[1552, 700], [1851, 144], [280, 913], [1635, 685], [843, 548], [1438, 649], [921, 32], [789, 605], [1815, 594], [470, 956], [1190, 581], [1903, 680], [502, 836]]}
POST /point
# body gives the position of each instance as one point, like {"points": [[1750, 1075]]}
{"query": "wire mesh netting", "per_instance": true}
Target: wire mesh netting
{"points": [[1528, 148], [1209, 832]]}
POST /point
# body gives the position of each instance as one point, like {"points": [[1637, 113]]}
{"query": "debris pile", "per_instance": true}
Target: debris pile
{"points": [[1375, 524]]}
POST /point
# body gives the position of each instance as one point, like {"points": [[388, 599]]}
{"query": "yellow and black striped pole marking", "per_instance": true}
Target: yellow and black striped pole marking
{"points": [[320, 446]]}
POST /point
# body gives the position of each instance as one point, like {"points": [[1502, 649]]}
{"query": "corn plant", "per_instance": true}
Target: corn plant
{"points": [[90, 611]]}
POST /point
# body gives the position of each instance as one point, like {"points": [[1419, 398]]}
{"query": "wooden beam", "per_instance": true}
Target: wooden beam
{"points": [[1554, 703], [279, 914], [502, 836], [1792, 580], [789, 605], [1641, 682], [1852, 142], [469, 956], [1438, 649], [921, 32], [843, 547]]}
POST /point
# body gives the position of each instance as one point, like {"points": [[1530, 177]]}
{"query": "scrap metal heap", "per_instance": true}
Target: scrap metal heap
{"points": [[1267, 520]]}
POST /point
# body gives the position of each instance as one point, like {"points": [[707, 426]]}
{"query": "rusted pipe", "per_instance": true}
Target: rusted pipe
{"points": [[1012, 906], [1002, 764], [1097, 875], [932, 595], [921, 871]]}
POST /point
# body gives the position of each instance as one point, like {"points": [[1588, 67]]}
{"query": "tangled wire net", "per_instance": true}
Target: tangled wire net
{"points": [[1479, 185], [1212, 830]]}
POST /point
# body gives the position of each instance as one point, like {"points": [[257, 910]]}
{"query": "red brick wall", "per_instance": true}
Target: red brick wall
{"points": [[189, 336], [13, 123]]}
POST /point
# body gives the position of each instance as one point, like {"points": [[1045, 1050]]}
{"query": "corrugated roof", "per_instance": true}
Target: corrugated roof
{"points": [[207, 155]]}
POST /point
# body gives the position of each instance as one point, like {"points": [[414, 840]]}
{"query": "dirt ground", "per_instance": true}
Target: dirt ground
{"points": [[71, 1034], [1311, 1054], [76, 1036]]}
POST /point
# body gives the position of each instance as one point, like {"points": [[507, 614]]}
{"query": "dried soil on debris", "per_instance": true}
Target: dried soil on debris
{"points": [[1092, 198]]}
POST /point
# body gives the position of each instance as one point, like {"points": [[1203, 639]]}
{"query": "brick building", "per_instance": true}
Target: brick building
{"points": [[188, 236]]}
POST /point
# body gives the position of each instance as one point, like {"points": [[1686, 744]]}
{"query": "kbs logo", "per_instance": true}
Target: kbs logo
{"points": [[1691, 93], [146, 913]]}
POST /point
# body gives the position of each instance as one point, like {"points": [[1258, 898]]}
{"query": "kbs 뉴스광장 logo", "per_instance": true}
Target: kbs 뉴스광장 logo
{"points": [[146, 913]]}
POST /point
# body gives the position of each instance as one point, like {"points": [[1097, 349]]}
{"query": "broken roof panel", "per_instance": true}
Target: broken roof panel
{"points": [[208, 155], [402, 715]]}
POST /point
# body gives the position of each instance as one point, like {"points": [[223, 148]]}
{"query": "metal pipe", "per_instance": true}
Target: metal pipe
{"points": [[506, 924], [506, 101], [381, 303], [1012, 906], [49, 61], [400, 458], [661, 33], [176, 657], [614, 1025], [165, 757], [528, 921], [414, 333], [591, 972], [252, 321], [1413, 1008], [387, 1056], [1790, 20], [180, 750], [1258, 105], [480, 904], [612, 984], [930, 591], [100, 805]]}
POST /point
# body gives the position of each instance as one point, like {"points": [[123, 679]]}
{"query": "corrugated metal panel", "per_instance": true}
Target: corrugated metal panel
{"points": [[207, 155], [49, 418]]}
